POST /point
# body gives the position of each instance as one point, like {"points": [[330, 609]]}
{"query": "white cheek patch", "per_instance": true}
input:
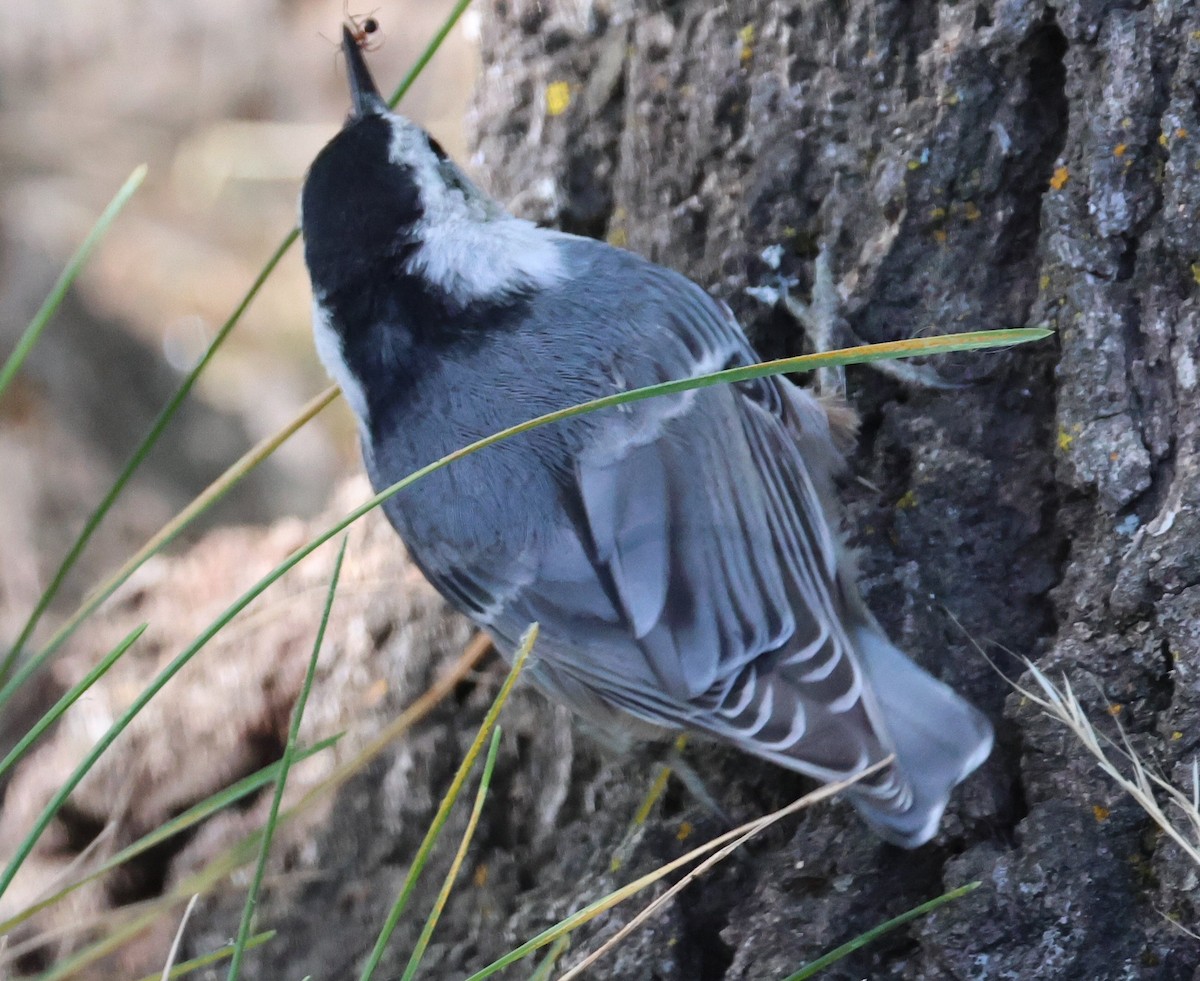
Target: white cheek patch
{"points": [[469, 246], [475, 260], [329, 350]]}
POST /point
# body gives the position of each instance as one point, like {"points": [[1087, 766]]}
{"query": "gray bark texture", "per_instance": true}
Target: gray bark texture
{"points": [[968, 165]]}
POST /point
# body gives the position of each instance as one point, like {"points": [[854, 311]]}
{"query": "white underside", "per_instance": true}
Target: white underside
{"points": [[329, 350]]}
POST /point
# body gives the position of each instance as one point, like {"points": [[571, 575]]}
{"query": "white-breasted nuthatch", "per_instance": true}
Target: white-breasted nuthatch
{"points": [[676, 552]]}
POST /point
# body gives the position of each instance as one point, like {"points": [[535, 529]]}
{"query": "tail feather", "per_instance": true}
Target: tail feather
{"points": [[938, 737]]}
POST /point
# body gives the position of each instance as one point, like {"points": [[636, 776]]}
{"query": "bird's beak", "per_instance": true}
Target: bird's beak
{"points": [[365, 99]]}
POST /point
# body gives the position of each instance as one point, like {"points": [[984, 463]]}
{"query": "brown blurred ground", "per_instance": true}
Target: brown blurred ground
{"points": [[227, 102]]}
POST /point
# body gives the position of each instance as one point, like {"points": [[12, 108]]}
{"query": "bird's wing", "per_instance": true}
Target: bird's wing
{"points": [[692, 578]]}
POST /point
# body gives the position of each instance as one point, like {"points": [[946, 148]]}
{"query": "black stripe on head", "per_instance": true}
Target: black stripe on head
{"points": [[358, 207]]}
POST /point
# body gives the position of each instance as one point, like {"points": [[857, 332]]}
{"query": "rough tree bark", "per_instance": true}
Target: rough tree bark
{"points": [[969, 165]]}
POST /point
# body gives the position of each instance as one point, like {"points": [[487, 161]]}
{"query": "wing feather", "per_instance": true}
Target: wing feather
{"points": [[675, 551], [709, 594]]}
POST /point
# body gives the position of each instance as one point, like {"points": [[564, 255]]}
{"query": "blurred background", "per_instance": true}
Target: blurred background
{"points": [[227, 101]]}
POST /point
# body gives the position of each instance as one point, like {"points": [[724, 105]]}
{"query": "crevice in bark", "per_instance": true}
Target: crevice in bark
{"points": [[1162, 692], [703, 955]]}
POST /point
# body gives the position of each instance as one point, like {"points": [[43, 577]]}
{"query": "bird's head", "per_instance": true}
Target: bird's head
{"points": [[380, 190]]}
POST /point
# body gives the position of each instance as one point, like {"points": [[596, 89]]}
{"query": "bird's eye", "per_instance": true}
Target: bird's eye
{"points": [[436, 147]]}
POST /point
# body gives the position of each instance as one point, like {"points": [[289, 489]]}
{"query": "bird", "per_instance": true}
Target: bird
{"points": [[679, 554]]}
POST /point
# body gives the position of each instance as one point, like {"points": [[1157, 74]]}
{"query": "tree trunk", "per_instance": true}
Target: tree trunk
{"points": [[969, 166]]}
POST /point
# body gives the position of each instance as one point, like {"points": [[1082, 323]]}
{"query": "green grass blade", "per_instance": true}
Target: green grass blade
{"points": [[76, 962], [168, 533], [443, 896], [443, 812], [546, 966], [178, 824], [119, 726], [430, 50], [135, 461], [809, 970], [135, 920], [132, 923], [28, 339], [445, 683], [69, 699], [238, 854], [56, 802], [106, 504], [187, 967], [285, 763]]}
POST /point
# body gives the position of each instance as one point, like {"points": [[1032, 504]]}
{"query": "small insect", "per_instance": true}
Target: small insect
{"points": [[361, 29]]}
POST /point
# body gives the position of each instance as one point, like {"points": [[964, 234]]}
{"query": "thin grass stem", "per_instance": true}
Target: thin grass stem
{"points": [[135, 461], [605, 903], [68, 699], [169, 411], [443, 811], [485, 781], [169, 532], [182, 822], [187, 967], [835, 955], [430, 50], [285, 764], [58, 292], [175, 944]]}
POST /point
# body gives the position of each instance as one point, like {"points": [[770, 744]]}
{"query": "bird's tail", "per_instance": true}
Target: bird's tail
{"points": [[938, 738]]}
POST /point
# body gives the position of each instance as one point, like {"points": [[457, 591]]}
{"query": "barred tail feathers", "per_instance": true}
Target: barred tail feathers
{"points": [[939, 739]]}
